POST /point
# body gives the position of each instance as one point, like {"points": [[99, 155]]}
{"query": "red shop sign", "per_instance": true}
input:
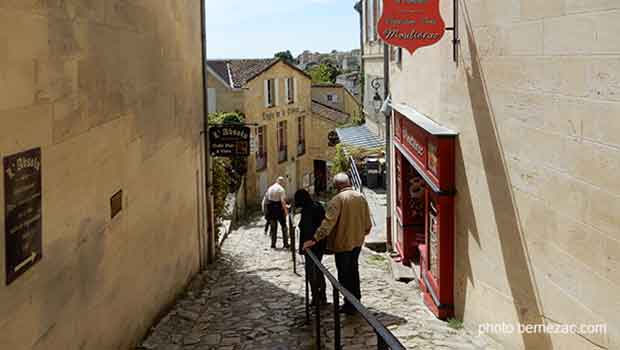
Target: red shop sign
{"points": [[411, 24]]}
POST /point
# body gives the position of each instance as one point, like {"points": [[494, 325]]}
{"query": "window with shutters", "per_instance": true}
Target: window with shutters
{"points": [[282, 142], [261, 148], [290, 90], [301, 136], [270, 93]]}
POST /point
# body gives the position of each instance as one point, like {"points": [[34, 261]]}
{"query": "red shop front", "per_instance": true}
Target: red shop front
{"points": [[424, 204]]}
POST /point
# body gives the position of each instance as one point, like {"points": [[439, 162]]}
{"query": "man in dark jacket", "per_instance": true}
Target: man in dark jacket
{"points": [[312, 215]]}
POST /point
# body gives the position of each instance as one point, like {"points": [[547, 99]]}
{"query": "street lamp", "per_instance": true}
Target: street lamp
{"points": [[377, 100]]}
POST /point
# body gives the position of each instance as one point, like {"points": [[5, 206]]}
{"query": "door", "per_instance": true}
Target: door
{"points": [[320, 176]]}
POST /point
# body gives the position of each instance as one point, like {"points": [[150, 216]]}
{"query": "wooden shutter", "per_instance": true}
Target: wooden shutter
{"points": [[286, 91], [266, 93], [276, 92], [295, 90]]}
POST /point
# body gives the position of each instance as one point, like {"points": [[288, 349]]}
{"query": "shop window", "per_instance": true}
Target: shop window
{"points": [[261, 148], [282, 142]]}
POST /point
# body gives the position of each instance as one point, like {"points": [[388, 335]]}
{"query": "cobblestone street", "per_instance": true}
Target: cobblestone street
{"points": [[252, 300]]}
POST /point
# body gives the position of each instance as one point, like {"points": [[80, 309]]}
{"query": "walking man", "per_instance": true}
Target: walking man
{"points": [[346, 225], [277, 211]]}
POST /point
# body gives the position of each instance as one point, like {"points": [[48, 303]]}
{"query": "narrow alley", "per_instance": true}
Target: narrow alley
{"points": [[251, 299]]}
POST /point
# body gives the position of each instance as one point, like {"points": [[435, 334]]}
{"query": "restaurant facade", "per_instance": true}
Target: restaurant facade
{"points": [[505, 154]]}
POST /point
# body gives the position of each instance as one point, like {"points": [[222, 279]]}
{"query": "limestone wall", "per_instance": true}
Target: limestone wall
{"points": [[112, 93], [536, 100]]}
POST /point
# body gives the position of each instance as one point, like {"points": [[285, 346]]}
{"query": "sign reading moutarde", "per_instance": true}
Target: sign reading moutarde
{"points": [[411, 24], [229, 141], [22, 208]]}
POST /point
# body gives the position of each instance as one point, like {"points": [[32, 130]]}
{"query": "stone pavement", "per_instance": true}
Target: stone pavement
{"points": [[250, 299]]}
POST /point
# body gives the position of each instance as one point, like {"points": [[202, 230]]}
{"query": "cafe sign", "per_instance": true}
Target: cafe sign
{"points": [[411, 24], [23, 214], [229, 141]]}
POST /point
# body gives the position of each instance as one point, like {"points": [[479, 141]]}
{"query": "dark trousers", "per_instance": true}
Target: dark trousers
{"points": [[347, 264], [316, 278], [275, 215], [274, 230]]}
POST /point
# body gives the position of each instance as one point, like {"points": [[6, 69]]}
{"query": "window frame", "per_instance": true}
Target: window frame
{"points": [[271, 93], [282, 141], [301, 135], [261, 148], [290, 92]]}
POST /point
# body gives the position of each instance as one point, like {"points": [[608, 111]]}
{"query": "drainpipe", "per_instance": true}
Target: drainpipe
{"points": [[208, 254], [359, 8], [388, 149]]}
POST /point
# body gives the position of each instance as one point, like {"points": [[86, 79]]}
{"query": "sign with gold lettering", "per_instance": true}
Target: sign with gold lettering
{"points": [[229, 141], [22, 208], [411, 24]]}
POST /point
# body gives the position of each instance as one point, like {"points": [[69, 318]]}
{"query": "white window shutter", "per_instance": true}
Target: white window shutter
{"points": [[295, 90], [286, 91], [266, 93], [277, 92]]}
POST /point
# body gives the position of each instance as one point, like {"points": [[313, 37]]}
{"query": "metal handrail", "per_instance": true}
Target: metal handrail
{"points": [[356, 179], [291, 234], [385, 339]]}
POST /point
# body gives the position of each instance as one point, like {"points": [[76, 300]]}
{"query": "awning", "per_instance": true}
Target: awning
{"points": [[359, 136]]}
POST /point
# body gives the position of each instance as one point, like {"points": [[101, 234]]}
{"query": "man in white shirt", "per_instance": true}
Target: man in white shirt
{"points": [[274, 203]]}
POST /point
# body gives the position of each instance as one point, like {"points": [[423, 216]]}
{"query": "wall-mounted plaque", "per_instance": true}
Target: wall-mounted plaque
{"points": [[116, 204], [22, 208]]}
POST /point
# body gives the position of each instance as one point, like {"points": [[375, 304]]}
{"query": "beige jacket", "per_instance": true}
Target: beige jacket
{"points": [[347, 221]]}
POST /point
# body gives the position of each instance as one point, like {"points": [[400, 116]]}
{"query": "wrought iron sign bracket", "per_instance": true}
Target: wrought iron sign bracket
{"points": [[456, 40]]}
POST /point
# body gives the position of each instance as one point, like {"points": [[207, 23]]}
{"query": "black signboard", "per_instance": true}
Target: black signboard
{"points": [[229, 141], [22, 208]]}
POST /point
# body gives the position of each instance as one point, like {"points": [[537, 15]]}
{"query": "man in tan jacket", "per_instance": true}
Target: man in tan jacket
{"points": [[346, 225]]}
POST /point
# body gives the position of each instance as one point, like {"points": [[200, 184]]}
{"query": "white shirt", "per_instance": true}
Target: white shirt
{"points": [[276, 193]]}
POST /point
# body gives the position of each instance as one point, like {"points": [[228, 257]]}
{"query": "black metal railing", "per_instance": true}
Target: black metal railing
{"points": [[291, 233], [356, 179], [385, 339]]}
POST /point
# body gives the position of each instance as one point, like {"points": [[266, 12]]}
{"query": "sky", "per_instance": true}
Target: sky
{"points": [[259, 29]]}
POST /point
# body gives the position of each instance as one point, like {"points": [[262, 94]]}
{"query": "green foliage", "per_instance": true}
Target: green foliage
{"points": [[324, 73], [285, 55], [341, 161], [227, 173]]}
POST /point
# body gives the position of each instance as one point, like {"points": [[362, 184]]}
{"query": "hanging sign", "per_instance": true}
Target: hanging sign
{"points": [[229, 141], [22, 208], [411, 24]]}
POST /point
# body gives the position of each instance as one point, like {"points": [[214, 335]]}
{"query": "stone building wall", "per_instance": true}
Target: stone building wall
{"points": [[254, 107], [111, 91], [226, 100], [536, 100]]}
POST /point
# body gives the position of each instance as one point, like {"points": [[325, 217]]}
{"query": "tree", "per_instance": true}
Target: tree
{"points": [[285, 55], [324, 73]]}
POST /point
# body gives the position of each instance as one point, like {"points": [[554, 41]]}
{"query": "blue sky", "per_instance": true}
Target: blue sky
{"points": [[255, 29]]}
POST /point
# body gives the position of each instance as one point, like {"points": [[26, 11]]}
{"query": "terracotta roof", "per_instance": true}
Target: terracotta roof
{"points": [[237, 73], [327, 85], [330, 113]]}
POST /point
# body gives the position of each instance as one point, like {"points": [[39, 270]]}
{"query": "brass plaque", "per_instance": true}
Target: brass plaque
{"points": [[116, 204]]}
